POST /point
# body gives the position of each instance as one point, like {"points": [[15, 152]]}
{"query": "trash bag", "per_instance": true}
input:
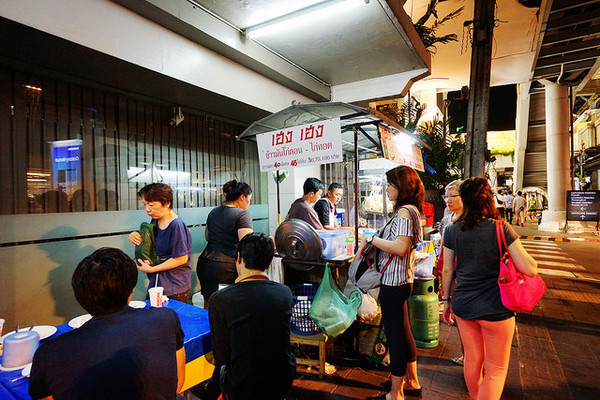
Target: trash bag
{"points": [[331, 310], [147, 250]]}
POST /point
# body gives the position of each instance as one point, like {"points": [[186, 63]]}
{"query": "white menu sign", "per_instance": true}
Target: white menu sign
{"points": [[300, 146], [402, 152]]}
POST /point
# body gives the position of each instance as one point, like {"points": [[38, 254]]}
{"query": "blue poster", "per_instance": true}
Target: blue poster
{"points": [[66, 165]]}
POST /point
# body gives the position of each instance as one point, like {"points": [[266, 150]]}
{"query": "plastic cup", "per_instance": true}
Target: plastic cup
{"points": [[156, 296]]}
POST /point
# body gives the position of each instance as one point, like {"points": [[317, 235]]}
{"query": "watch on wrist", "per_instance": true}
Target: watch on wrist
{"points": [[446, 298], [370, 239]]}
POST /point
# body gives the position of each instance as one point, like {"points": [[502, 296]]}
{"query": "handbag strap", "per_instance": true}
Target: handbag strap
{"points": [[501, 236]]}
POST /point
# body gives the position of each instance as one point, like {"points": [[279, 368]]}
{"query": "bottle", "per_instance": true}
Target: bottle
{"points": [[350, 243]]}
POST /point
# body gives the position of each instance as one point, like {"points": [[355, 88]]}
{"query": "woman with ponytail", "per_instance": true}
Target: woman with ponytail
{"points": [[225, 226], [486, 326]]}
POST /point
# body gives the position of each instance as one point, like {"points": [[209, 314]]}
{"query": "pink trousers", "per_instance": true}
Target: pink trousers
{"points": [[487, 348]]}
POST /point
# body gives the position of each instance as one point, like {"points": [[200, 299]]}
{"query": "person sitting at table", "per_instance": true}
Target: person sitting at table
{"points": [[326, 206], [250, 327], [122, 352], [302, 207]]}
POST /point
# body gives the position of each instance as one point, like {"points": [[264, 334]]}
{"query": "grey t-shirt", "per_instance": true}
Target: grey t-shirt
{"points": [[300, 209], [476, 294]]}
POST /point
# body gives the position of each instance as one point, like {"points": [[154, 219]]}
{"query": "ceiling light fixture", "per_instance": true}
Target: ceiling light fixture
{"points": [[300, 16]]}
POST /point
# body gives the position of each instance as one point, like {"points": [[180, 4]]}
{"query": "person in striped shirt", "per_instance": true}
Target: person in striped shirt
{"points": [[396, 243]]}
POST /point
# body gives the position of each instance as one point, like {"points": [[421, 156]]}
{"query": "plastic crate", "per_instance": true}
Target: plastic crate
{"points": [[334, 242], [300, 322]]}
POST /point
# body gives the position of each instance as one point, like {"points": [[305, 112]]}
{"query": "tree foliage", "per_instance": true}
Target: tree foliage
{"points": [[428, 34], [444, 157]]}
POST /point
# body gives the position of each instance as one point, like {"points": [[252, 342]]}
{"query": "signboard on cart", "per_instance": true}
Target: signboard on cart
{"points": [[300, 146], [583, 205], [401, 149]]}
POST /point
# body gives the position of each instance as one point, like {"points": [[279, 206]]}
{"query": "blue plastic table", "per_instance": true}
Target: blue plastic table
{"points": [[197, 344]]}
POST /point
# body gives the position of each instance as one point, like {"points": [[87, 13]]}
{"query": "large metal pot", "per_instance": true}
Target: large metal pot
{"points": [[299, 244]]}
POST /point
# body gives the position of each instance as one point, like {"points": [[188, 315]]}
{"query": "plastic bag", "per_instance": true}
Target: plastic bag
{"points": [[425, 260], [380, 355], [369, 309], [331, 310], [146, 250]]}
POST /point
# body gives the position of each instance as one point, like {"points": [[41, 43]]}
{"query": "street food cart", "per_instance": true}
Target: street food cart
{"points": [[348, 132]]}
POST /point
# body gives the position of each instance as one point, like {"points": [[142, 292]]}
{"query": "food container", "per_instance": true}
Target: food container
{"points": [[19, 348], [334, 242]]}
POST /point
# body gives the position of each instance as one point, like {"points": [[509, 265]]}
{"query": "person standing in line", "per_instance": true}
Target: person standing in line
{"points": [[302, 208], [455, 205], [226, 225], [486, 326], [173, 243], [508, 206], [519, 206], [499, 202], [531, 207], [122, 352], [326, 206], [396, 246], [250, 327]]}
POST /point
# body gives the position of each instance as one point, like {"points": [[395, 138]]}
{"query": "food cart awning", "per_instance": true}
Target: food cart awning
{"points": [[351, 117]]}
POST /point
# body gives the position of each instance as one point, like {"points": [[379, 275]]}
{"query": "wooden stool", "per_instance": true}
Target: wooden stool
{"points": [[320, 340]]}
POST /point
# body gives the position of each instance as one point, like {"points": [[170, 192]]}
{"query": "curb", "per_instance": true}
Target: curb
{"points": [[559, 239]]}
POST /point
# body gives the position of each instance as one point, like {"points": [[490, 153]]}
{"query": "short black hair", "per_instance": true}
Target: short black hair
{"points": [[103, 281], [313, 185], [157, 192], [519, 193], [257, 250], [334, 186]]}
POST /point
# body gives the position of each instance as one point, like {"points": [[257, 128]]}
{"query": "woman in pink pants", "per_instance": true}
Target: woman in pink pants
{"points": [[486, 326]]}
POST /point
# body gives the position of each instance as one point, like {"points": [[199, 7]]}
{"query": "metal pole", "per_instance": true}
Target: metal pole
{"points": [[356, 187], [278, 202], [572, 137]]}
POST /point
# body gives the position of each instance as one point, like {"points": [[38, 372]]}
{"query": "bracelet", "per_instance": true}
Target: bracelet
{"points": [[446, 298]]}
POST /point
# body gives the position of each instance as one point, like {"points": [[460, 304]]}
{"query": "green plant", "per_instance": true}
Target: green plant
{"points": [[443, 158], [428, 34], [407, 115]]}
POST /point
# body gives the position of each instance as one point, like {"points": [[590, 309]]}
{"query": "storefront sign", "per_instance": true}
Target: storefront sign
{"points": [[583, 205], [300, 146], [66, 165], [400, 149]]}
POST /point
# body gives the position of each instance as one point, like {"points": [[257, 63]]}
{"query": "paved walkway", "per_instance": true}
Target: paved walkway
{"points": [[555, 354]]}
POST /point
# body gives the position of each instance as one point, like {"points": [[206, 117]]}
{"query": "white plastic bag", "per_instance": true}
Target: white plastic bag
{"points": [[368, 310]]}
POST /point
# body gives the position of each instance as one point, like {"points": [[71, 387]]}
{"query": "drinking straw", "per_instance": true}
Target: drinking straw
{"points": [[156, 282]]}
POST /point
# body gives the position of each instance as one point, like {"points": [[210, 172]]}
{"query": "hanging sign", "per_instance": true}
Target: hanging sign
{"points": [[300, 146], [400, 149]]}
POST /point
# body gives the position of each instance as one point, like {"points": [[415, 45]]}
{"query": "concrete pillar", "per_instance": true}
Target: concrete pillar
{"points": [[557, 155], [523, 103]]}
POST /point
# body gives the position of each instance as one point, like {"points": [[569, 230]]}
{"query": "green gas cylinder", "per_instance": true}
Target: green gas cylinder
{"points": [[423, 313]]}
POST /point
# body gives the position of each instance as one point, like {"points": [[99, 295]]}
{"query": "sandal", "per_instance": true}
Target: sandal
{"points": [[459, 360]]}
